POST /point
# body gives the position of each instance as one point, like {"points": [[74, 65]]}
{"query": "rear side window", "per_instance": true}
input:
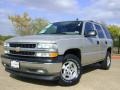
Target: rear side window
{"points": [[107, 32], [88, 27], [99, 30]]}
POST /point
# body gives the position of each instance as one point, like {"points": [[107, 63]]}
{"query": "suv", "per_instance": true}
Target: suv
{"points": [[59, 51]]}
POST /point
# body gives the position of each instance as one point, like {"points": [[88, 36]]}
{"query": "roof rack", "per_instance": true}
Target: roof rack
{"points": [[94, 21]]}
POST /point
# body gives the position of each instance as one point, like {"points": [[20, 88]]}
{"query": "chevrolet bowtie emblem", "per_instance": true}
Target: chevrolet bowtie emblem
{"points": [[17, 49]]}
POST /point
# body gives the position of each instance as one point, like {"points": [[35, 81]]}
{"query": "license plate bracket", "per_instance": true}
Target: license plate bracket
{"points": [[15, 64]]}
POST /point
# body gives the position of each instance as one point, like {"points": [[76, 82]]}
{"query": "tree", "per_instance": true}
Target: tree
{"points": [[3, 38], [24, 25], [115, 32], [38, 24]]}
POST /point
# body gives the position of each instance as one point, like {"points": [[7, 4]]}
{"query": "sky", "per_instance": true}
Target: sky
{"points": [[107, 11]]}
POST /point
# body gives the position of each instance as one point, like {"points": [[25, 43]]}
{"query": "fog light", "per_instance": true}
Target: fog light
{"points": [[4, 64], [40, 71], [6, 51]]}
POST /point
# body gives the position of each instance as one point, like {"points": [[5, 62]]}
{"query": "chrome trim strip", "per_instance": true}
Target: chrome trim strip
{"points": [[32, 49], [23, 55], [22, 42]]}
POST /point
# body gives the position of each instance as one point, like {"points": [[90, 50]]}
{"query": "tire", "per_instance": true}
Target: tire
{"points": [[107, 61], [71, 70]]}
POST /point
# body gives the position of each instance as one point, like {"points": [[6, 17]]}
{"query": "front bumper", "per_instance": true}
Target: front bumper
{"points": [[39, 70]]}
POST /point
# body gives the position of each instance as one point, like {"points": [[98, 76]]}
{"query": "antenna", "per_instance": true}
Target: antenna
{"points": [[77, 19]]}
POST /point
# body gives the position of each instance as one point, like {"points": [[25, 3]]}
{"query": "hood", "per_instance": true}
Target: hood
{"points": [[41, 38]]}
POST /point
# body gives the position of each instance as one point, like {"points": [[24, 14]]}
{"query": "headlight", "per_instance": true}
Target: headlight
{"points": [[6, 44], [46, 46], [51, 50]]}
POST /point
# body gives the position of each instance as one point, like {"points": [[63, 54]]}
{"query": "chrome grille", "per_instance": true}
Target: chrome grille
{"points": [[22, 53], [19, 49], [22, 45]]}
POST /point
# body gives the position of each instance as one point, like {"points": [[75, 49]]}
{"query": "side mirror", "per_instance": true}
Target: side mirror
{"points": [[91, 33]]}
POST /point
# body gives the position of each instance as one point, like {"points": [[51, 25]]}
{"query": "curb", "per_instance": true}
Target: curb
{"points": [[116, 57]]}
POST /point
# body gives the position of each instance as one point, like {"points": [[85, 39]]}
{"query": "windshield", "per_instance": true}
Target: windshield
{"points": [[67, 28]]}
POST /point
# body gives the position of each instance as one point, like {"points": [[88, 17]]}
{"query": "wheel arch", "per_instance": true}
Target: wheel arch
{"points": [[109, 49], [74, 51]]}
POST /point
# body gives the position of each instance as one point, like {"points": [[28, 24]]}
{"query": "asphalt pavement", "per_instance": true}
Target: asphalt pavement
{"points": [[93, 78]]}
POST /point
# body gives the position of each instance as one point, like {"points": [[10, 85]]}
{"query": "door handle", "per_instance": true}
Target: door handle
{"points": [[98, 42], [105, 42]]}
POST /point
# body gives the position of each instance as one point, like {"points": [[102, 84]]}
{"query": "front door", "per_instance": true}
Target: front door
{"points": [[91, 46]]}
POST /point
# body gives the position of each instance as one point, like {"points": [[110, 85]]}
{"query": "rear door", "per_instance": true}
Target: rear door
{"points": [[102, 41], [108, 41]]}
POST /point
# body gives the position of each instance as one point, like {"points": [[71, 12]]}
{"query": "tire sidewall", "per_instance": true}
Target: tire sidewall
{"points": [[76, 60], [108, 55]]}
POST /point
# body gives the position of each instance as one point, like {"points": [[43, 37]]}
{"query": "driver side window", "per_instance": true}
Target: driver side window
{"points": [[88, 27]]}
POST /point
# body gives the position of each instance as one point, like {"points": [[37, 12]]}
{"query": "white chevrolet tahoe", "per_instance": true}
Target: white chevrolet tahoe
{"points": [[59, 51]]}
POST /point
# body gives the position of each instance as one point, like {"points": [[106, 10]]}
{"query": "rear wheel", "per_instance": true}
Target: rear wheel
{"points": [[107, 61], [71, 70]]}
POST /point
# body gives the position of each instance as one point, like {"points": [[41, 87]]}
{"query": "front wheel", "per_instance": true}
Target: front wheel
{"points": [[71, 70]]}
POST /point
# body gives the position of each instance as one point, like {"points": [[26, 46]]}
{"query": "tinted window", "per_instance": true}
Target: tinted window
{"points": [[99, 30], [107, 33], [67, 28], [88, 27]]}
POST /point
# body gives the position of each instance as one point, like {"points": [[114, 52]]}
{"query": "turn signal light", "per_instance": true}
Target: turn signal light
{"points": [[53, 54]]}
